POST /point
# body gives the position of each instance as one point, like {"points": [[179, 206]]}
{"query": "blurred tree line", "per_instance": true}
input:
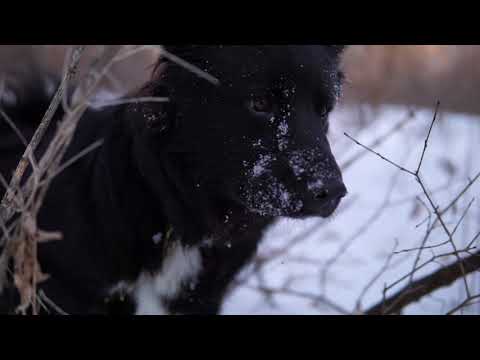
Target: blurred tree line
{"points": [[416, 75]]}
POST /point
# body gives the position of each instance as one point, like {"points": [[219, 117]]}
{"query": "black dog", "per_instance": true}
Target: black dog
{"points": [[161, 218]]}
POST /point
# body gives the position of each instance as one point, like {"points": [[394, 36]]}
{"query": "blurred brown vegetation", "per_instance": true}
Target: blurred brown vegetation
{"points": [[414, 75], [124, 77], [377, 74]]}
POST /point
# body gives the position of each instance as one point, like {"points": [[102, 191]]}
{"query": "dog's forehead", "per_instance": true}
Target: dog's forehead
{"points": [[271, 61]]}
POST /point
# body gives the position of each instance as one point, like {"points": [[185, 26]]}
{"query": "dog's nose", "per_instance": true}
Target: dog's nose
{"points": [[325, 199], [331, 191]]}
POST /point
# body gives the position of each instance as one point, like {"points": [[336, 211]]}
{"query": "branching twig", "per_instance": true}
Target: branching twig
{"points": [[301, 294], [439, 218], [5, 209], [426, 285], [380, 155], [427, 138], [375, 278]]}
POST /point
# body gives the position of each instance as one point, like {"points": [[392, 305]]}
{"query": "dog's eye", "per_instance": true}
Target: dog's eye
{"points": [[261, 104]]}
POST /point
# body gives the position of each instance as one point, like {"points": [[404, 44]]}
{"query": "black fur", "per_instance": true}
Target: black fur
{"points": [[218, 162]]}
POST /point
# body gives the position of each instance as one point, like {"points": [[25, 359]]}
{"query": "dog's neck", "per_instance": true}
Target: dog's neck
{"points": [[134, 173]]}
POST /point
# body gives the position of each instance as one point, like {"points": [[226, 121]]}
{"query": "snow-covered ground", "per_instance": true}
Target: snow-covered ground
{"points": [[380, 210]]}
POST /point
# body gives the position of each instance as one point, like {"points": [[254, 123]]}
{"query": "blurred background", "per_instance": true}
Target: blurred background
{"points": [[369, 249], [377, 74]]}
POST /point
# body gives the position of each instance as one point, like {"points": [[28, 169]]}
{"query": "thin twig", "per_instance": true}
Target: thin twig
{"points": [[375, 278], [380, 155], [77, 157], [14, 127], [5, 210], [144, 99], [380, 140], [427, 138], [462, 305], [426, 285]]}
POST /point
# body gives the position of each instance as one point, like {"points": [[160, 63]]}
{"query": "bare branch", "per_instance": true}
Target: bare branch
{"points": [[464, 304], [380, 140], [427, 138], [144, 99], [426, 285], [5, 211], [301, 294], [376, 277], [380, 155], [14, 127]]}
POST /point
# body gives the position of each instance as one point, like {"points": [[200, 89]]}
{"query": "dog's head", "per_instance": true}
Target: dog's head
{"points": [[258, 137]]}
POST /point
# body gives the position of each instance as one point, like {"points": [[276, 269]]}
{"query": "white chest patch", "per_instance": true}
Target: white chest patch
{"points": [[180, 268]]}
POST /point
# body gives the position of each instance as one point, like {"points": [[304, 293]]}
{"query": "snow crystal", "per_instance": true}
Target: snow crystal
{"points": [[282, 135], [157, 238], [313, 164], [261, 166], [258, 143], [272, 199], [315, 185]]}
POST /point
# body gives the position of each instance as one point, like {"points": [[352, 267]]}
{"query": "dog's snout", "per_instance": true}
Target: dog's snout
{"points": [[325, 199], [332, 191]]}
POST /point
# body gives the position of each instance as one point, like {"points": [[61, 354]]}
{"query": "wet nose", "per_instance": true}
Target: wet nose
{"points": [[331, 191], [324, 200]]}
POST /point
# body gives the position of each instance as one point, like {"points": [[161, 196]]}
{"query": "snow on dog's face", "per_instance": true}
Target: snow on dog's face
{"points": [[258, 138]]}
